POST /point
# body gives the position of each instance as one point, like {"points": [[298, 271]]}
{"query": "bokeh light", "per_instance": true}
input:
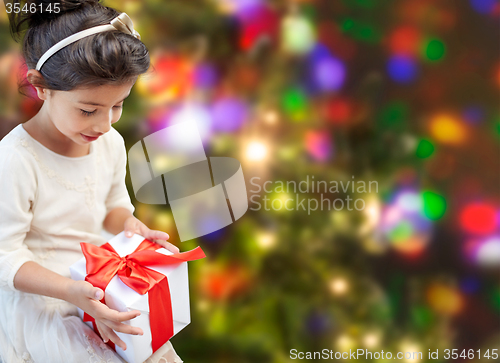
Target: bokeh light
{"points": [[445, 300], [295, 104], [256, 151], [402, 69], [435, 50], [447, 129], [298, 35], [434, 205], [319, 145], [229, 114], [478, 218], [483, 6], [405, 40], [425, 149]]}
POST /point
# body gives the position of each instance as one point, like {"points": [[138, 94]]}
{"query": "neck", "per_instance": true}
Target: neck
{"points": [[42, 129]]}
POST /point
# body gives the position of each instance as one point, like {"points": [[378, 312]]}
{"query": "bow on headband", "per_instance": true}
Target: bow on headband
{"points": [[124, 24]]}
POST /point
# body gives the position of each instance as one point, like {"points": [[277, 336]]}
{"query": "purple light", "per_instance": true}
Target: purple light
{"points": [[228, 114], [473, 114], [205, 76], [248, 10], [327, 71], [329, 74], [318, 53], [402, 69], [470, 285], [483, 6]]}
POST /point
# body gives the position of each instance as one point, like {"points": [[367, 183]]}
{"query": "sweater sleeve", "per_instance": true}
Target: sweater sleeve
{"points": [[18, 190], [118, 195]]}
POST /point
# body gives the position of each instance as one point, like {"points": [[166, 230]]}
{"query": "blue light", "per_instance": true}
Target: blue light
{"points": [[402, 69], [483, 6], [473, 114]]}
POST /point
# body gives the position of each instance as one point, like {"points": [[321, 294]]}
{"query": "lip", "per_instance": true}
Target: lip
{"points": [[89, 138]]}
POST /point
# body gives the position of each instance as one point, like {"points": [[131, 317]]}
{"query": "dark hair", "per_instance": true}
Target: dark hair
{"points": [[110, 57]]}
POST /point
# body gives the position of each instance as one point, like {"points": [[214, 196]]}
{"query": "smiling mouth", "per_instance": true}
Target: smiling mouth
{"points": [[90, 138]]}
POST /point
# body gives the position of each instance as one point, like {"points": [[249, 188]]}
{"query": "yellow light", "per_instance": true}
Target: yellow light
{"points": [[203, 305], [444, 299], [271, 117], [163, 222], [447, 129], [339, 286], [371, 340], [161, 162], [372, 215], [266, 240], [256, 151], [345, 342], [412, 352]]}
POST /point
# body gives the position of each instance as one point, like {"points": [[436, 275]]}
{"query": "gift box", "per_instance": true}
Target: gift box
{"points": [[137, 274]]}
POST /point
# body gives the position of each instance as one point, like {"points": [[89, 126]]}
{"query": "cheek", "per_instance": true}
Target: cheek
{"points": [[117, 115]]}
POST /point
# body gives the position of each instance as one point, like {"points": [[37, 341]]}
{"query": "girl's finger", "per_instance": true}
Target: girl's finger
{"points": [[101, 331], [113, 337], [159, 235], [130, 227], [167, 245], [123, 328], [113, 315]]}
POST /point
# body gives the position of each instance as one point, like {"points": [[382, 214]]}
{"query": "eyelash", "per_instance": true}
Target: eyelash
{"points": [[90, 113], [87, 113]]}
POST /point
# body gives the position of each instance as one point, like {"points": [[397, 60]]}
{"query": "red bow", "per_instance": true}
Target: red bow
{"points": [[104, 262]]}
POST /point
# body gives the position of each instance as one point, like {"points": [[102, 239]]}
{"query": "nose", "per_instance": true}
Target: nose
{"points": [[104, 123]]}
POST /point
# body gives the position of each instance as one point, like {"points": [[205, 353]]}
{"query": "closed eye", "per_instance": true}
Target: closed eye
{"points": [[87, 113]]}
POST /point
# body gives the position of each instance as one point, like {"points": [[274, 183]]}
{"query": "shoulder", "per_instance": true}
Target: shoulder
{"points": [[14, 152]]}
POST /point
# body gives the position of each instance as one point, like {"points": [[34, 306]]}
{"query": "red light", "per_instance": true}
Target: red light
{"points": [[338, 111], [404, 40], [478, 218]]}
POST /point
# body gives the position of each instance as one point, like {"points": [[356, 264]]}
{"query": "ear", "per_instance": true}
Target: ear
{"points": [[35, 77]]}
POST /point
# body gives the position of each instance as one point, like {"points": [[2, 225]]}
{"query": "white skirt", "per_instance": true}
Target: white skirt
{"points": [[39, 329]]}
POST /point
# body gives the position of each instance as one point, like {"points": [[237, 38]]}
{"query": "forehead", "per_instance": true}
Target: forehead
{"points": [[104, 94]]}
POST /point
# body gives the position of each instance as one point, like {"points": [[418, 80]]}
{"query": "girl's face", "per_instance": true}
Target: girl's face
{"points": [[82, 115]]}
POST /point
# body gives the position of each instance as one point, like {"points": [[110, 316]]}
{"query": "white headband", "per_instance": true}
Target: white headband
{"points": [[122, 23]]}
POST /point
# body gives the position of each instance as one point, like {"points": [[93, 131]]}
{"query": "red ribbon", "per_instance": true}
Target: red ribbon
{"points": [[103, 263]]}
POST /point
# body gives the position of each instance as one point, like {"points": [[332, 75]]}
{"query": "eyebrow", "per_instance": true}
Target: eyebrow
{"points": [[96, 104]]}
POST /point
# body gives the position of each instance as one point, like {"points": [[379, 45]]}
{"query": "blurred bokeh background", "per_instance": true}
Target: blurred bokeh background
{"points": [[401, 92]]}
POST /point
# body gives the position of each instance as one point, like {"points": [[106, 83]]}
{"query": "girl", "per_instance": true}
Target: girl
{"points": [[63, 180]]}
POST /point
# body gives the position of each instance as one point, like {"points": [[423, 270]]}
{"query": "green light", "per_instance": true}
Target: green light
{"points": [[295, 104], [495, 299], [435, 50], [421, 316], [347, 24], [424, 149], [434, 205], [367, 33], [401, 232], [361, 31], [394, 115]]}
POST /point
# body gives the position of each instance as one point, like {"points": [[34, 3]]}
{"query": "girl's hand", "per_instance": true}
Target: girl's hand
{"points": [[133, 225], [86, 297]]}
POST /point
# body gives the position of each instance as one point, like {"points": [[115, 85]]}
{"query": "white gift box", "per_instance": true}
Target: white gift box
{"points": [[119, 296]]}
